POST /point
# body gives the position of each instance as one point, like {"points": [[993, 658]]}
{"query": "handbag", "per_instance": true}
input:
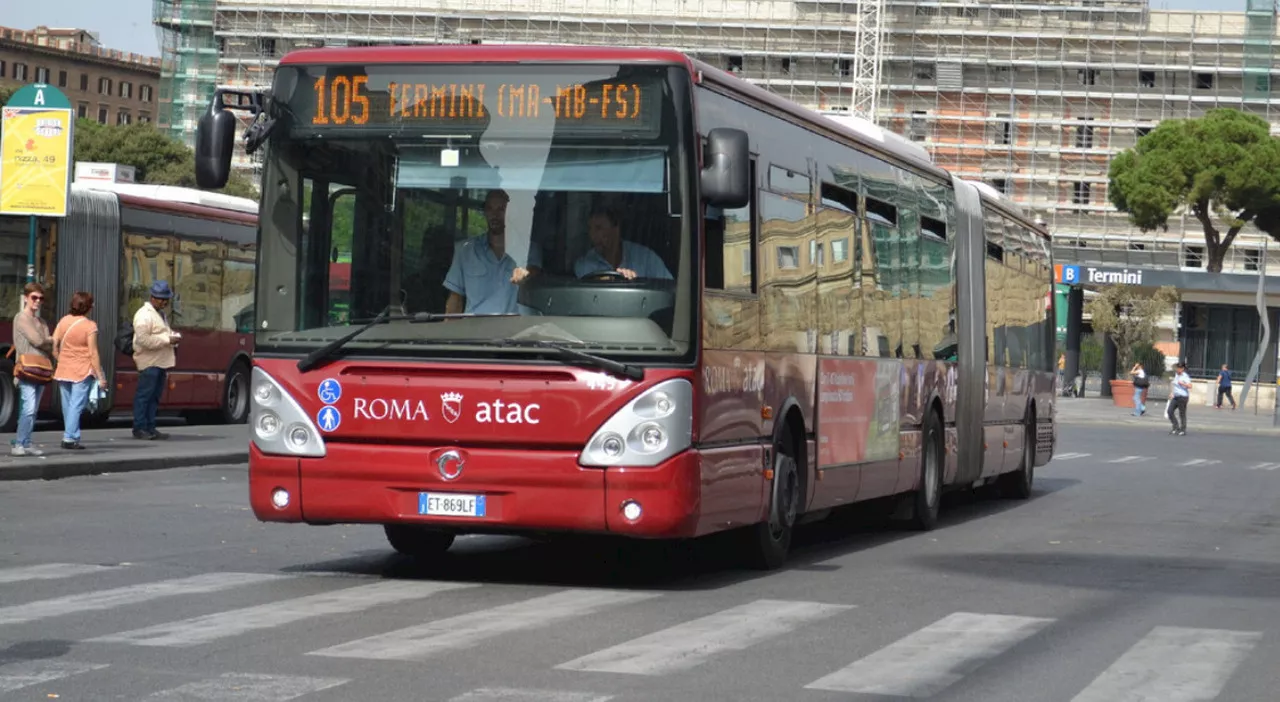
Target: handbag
{"points": [[33, 368]]}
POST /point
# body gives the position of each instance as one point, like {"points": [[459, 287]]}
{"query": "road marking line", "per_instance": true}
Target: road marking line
{"points": [[1069, 456], [688, 645], [130, 595], [1131, 459], [1266, 466], [16, 676], [247, 687], [931, 659], [468, 630], [220, 625], [1173, 664], [49, 571], [1201, 462], [506, 694]]}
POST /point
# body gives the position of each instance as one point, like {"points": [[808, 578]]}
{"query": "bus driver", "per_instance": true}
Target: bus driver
{"points": [[609, 252], [483, 278]]}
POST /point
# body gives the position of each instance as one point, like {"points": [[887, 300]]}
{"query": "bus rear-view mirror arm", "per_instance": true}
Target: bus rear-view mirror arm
{"points": [[726, 174]]}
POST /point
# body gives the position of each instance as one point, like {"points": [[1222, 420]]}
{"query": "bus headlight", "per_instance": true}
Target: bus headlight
{"points": [[280, 426], [650, 429]]}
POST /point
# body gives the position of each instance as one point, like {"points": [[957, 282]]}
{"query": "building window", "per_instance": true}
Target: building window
{"points": [[1081, 192], [919, 129], [267, 46], [926, 71], [1147, 79], [42, 74], [786, 65], [1087, 76], [144, 118], [1193, 256], [82, 111], [126, 89], [102, 115], [1001, 184], [123, 117], [1252, 259], [84, 81], [1001, 75], [20, 71], [735, 64], [1143, 131], [144, 93], [104, 86], [844, 66], [1004, 129], [1084, 133], [2, 68], [1204, 81], [788, 258], [62, 79]]}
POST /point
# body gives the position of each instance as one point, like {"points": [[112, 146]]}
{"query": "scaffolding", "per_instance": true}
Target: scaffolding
{"points": [[189, 67], [1034, 97]]}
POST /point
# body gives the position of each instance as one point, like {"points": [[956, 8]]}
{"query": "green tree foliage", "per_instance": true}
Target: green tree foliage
{"points": [[1129, 317], [158, 158], [1224, 168]]}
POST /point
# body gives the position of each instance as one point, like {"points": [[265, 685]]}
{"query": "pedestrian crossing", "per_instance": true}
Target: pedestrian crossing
{"points": [[922, 660], [1180, 462]]}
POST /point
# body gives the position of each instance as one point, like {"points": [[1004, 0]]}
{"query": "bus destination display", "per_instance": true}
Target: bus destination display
{"points": [[329, 100]]}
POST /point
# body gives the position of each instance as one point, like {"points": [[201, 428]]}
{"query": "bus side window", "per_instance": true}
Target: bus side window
{"points": [[730, 237]]}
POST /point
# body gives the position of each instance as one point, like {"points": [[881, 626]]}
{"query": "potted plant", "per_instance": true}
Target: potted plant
{"points": [[1129, 316]]}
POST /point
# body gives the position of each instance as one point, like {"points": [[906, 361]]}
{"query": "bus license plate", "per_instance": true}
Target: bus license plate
{"points": [[448, 504]]}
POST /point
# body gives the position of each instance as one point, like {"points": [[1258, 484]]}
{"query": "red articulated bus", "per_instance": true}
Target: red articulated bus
{"points": [[619, 291], [118, 238]]}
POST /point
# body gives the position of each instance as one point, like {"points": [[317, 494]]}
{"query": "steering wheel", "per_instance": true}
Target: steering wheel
{"points": [[611, 275]]}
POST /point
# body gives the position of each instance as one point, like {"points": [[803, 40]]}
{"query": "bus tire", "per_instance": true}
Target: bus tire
{"points": [[8, 398], [235, 395], [766, 544], [1017, 485], [417, 541], [927, 501]]}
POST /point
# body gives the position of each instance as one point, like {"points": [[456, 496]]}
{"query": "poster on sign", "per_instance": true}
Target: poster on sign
{"points": [[857, 411]]}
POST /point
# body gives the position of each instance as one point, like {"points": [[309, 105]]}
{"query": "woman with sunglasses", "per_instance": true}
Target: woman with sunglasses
{"points": [[31, 343]]}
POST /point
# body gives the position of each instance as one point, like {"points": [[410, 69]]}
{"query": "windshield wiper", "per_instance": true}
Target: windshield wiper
{"points": [[315, 358], [626, 370]]}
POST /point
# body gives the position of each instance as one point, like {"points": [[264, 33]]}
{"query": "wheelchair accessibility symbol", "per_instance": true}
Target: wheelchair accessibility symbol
{"points": [[330, 391]]}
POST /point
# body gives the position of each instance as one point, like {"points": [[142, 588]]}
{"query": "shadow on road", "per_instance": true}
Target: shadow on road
{"points": [[701, 564]]}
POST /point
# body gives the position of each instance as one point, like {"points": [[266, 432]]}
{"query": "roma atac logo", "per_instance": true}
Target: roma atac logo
{"points": [[451, 406]]}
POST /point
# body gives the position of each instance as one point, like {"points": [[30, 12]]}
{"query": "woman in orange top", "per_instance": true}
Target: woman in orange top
{"points": [[75, 346]]}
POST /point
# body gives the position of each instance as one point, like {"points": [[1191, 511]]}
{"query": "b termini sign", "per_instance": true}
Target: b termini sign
{"points": [[1083, 274]]}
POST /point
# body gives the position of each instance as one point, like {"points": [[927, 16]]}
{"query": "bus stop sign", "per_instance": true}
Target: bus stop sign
{"points": [[36, 139]]}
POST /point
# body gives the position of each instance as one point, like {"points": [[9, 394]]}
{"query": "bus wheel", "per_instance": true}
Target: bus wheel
{"points": [[235, 395], [767, 543], [1017, 485], [416, 541], [8, 399], [928, 499]]}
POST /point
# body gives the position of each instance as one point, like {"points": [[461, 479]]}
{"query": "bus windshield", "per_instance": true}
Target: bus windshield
{"points": [[478, 203]]}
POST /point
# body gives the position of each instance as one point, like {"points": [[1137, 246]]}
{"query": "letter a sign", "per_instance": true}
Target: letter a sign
{"points": [[36, 146]]}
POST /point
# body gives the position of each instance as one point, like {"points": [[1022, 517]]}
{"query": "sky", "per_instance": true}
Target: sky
{"points": [[126, 24]]}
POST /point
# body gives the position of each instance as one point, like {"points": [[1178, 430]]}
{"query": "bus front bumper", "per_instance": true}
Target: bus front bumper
{"points": [[503, 491]]}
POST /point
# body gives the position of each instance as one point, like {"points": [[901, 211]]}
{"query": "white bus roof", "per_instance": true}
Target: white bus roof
{"points": [[173, 193], [893, 143]]}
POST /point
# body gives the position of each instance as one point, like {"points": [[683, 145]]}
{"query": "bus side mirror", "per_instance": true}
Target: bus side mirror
{"points": [[726, 175], [215, 135]]}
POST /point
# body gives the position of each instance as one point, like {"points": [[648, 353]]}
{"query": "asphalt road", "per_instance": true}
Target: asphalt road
{"points": [[1141, 570]]}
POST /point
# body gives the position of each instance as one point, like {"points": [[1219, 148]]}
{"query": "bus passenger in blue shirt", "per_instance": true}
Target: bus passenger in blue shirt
{"points": [[483, 279], [610, 253]]}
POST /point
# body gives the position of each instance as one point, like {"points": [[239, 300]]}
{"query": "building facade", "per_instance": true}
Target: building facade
{"points": [[111, 87], [1034, 97]]}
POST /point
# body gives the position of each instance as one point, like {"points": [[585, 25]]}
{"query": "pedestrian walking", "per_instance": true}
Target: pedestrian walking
{"points": [[153, 355], [1178, 399], [1224, 388], [1140, 384], [75, 347], [33, 365]]}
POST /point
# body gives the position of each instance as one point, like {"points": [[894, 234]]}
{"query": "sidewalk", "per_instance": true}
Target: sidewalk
{"points": [[1101, 411], [116, 451]]}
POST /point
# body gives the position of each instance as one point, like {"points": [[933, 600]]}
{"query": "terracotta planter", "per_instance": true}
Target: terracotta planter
{"points": [[1122, 393]]}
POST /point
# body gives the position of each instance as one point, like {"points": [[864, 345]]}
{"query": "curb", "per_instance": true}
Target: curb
{"points": [[1164, 426], [57, 471]]}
